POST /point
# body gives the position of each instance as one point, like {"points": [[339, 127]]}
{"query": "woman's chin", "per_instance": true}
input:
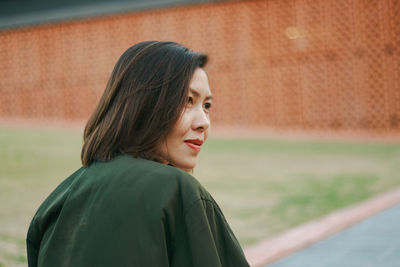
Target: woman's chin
{"points": [[186, 167]]}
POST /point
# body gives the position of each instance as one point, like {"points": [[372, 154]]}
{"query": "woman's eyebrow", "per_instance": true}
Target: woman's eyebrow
{"points": [[196, 94]]}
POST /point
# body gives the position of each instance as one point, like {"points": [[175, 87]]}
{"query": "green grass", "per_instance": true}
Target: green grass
{"points": [[263, 186], [267, 186]]}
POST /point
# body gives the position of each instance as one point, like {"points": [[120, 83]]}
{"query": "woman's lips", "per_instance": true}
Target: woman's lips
{"points": [[194, 144]]}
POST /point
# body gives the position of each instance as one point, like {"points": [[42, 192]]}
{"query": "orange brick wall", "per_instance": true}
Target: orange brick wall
{"points": [[309, 64]]}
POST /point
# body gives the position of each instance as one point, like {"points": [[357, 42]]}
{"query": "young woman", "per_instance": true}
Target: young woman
{"points": [[133, 203]]}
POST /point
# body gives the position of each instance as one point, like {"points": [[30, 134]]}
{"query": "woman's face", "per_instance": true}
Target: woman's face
{"points": [[182, 145]]}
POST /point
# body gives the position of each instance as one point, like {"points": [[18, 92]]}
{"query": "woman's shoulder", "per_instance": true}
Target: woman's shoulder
{"points": [[125, 165], [146, 175]]}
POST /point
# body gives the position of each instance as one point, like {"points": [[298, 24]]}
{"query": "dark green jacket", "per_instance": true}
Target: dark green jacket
{"points": [[131, 212]]}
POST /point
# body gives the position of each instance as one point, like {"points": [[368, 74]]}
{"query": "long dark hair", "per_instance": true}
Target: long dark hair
{"points": [[143, 99]]}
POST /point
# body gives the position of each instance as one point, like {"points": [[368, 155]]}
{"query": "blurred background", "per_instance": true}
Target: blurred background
{"points": [[306, 112]]}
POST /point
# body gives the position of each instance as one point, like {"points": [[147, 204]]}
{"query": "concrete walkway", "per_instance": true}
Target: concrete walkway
{"points": [[364, 234], [375, 242]]}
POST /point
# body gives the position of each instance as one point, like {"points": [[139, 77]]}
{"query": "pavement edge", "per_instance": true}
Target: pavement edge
{"points": [[277, 247]]}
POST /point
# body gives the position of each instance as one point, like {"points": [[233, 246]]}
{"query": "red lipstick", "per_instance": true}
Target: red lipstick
{"points": [[194, 143]]}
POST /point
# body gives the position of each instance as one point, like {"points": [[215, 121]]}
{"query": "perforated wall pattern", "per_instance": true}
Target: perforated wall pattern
{"points": [[310, 64]]}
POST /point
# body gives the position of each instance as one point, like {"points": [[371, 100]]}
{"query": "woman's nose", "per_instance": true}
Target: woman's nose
{"points": [[201, 120]]}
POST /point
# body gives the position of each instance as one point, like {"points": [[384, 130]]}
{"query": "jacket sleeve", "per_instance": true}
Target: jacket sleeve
{"points": [[209, 241], [32, 253]]}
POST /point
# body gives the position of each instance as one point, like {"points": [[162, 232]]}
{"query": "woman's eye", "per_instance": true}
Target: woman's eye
{"points": [[207, 106], [189, 100]]}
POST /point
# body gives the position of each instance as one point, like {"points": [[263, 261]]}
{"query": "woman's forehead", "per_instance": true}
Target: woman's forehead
{"points": [[199, 83]]}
